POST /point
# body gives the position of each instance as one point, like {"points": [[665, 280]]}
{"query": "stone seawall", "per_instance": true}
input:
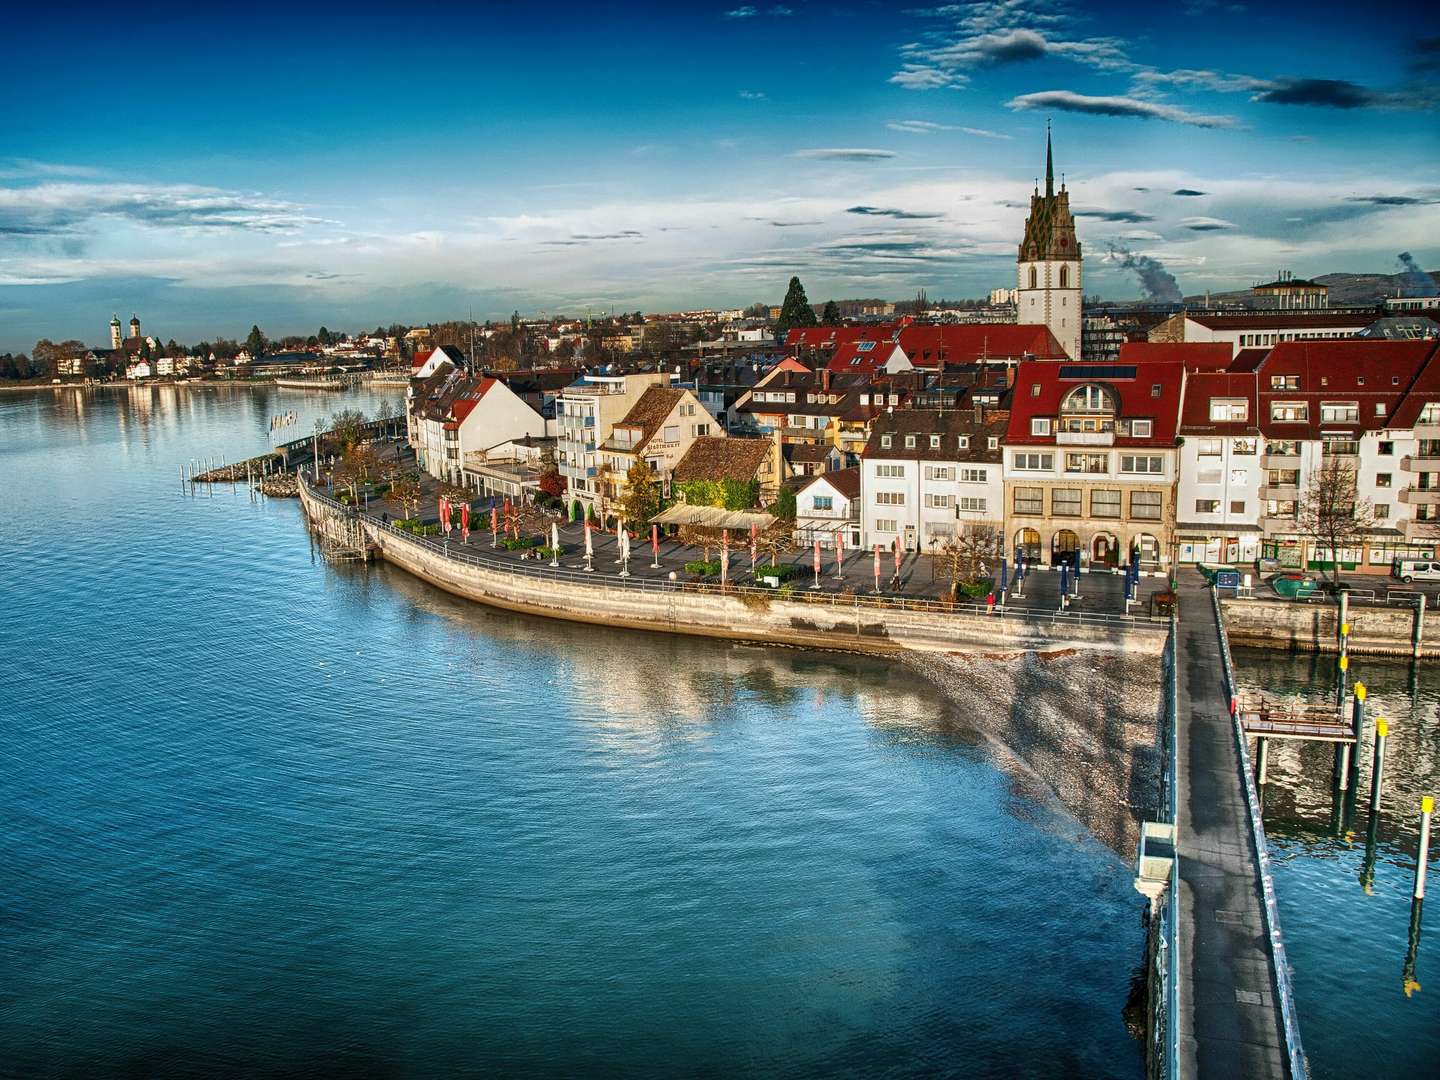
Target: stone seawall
{"points": [[1311, 627], [827, 622]]}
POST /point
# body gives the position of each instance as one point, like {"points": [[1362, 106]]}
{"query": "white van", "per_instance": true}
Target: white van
{"points": [[1408, 570]]}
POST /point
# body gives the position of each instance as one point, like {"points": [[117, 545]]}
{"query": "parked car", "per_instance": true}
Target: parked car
{"points": [[1408, 570], [1294, 585]]}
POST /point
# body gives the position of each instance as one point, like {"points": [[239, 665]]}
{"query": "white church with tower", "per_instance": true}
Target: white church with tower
{"points": [[1048, 283]]}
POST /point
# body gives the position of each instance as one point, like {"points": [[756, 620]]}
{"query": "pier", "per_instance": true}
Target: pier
{"points": [[1235, 1014]]}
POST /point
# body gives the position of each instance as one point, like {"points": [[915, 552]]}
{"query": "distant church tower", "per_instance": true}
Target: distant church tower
{"points": [[114, 331], [1048, 284], [134, 326]]}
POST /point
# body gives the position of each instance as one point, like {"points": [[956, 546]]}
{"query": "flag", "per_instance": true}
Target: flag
{"points": [[877, 567]]}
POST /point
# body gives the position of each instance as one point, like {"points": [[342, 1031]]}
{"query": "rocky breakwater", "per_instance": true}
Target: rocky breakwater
{"points": [[1079, 726]]}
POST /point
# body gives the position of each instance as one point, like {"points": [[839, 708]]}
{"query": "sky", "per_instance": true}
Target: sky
{"points": [[292, 166]]}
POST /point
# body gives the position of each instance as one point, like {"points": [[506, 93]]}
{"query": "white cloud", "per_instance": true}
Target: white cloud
{"points": [[926, 127], [843, 153]]}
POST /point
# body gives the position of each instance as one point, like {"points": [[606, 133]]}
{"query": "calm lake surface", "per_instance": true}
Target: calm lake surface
{"points": [[267, 816], [1347, 945]]}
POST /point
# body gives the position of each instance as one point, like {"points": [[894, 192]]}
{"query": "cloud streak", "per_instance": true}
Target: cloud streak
{"points": [[1134, 108], [57, 208], [844, 153]]}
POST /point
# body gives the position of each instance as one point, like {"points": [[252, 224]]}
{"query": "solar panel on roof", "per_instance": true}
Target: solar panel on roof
{"points": [[1097, 371], [864, 346]]}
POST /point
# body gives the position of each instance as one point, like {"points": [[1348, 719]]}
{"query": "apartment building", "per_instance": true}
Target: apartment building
{"points": [[926, 473], [658, 429], [1090, 462], [585, 414]]}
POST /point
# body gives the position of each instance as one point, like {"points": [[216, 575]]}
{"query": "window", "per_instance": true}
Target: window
{"points": [[891, 472], [1142, 463], [939, 502], [939, 472], [1208, 476], [1289, 412], [1237, 506], [885, 442], [963, 442], [1033, 279], [1065, 502], [1332, 447], [1280, 508], [672, 433], [1339, 412], [992, 443], [1382, 479], [1379, 408], [1033, 462], [1430, 414], [1283, 477], [1035, 389], [885, 525], [1039, 425], [1104, 503], [973, 476], [1087, 463], [1210, 447], [1155, 389], [909, 442], [1088, 398], [1207, 506], [934, 442], [864, 346], [1382, 511], [1145, 505], [823, 502], [1140, 429], [1283, 448], [1243, 447], [1224, 410], [1029, 500], [1064, 277], [889, 498], [1284, 382], [972, 503]]}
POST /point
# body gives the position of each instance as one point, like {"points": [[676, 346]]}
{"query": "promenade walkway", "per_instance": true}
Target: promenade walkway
{"points": [[1229, 1017]]}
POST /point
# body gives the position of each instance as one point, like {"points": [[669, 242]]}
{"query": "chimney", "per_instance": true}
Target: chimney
{"points": [[825, 379], [979, 412]]}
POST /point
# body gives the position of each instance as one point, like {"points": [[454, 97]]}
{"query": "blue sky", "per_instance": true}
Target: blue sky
{"points": [[356, 165]]}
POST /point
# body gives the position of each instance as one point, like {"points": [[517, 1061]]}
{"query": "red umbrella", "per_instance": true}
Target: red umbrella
{"points": [[494, 520], [877, 567], [817, 556], [465, 521], [898, 556], [839, 553], [445, 513]]}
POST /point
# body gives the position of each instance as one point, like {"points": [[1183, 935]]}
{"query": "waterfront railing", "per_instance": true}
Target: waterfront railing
{"points": [[825, 597], [1284, 991]]}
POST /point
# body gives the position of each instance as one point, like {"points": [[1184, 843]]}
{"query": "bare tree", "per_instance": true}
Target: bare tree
{"points": [[406, 491], [777, 540], [1330, 512], [969, 557]]}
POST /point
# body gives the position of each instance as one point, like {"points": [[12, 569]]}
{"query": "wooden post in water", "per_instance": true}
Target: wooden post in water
{"points": [[1427, 806], [1377, 768], [1418, 632]]}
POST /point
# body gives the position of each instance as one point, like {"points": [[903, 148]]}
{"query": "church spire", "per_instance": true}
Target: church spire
{"points": [[1049, 163]]}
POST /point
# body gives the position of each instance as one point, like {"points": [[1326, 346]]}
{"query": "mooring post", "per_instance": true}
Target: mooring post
{"points": [[1377, 767], [1262, 753], [1427, 806], [1418, 632], [1357, 726], [1342, 638]]}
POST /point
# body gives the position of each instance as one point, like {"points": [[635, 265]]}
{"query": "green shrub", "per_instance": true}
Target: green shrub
{"points": [[549, 552], [783, 571], [703, 569], [523, 543], [977, 590]]}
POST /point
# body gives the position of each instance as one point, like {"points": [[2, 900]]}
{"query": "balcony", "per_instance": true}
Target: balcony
{"points": [[1289, 492], [1279, 461], [1085, 438], [1427, 431], [1420, 496], [1416, 463]]}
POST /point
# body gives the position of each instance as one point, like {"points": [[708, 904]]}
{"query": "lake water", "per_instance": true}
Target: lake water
{"points": [[267, 816], [1348, 945]]}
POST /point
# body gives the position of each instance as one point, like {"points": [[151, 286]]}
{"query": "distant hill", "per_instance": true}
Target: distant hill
{"points": [[1346, 290]]}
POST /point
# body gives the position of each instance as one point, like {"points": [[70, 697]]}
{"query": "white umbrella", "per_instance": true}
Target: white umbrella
{"points": [[554, 544]]}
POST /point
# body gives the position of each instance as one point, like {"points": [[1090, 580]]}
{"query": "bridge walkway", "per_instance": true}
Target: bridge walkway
{"points": [[1230, 1022]]}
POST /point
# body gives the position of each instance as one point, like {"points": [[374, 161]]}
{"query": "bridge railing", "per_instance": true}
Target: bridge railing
{"points": [[1284, 992], [825, 597]]}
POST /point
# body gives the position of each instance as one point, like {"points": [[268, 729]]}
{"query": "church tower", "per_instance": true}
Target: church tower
{"points": [[134, 326], [114, 331], [1048, 283]]}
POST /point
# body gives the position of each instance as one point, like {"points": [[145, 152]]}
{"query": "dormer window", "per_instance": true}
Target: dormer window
{"points": [[885, 442], [934, 442], [1088, 399], [909, 442]]}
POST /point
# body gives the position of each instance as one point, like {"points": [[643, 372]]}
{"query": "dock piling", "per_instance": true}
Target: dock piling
{"points": [[1427, 806]]}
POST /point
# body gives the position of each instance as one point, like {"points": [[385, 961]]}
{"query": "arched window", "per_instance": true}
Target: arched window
{"points": [[1089, 398], [1033, 278], [1064, 277]]}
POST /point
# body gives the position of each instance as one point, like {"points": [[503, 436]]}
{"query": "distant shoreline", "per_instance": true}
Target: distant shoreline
{"points": [[127, 385]]}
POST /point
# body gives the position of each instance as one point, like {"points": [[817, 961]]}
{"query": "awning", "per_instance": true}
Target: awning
{"points": [[713, 517]]}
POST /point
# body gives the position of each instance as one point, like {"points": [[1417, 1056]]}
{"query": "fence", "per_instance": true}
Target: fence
{"points": [[1164, 1050], [1294, 1052], [825, 597]]}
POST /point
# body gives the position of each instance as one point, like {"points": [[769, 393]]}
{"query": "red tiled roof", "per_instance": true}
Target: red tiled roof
{"points": [[1201, 386], [966, 343], [829, 337], [1151, 393], [1195, 355], [861, 357], [845, 481], [1366, 371]]}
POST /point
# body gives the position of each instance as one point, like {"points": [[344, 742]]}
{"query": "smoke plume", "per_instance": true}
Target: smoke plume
{"points": [[1159, 284], [1417, 281]]}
